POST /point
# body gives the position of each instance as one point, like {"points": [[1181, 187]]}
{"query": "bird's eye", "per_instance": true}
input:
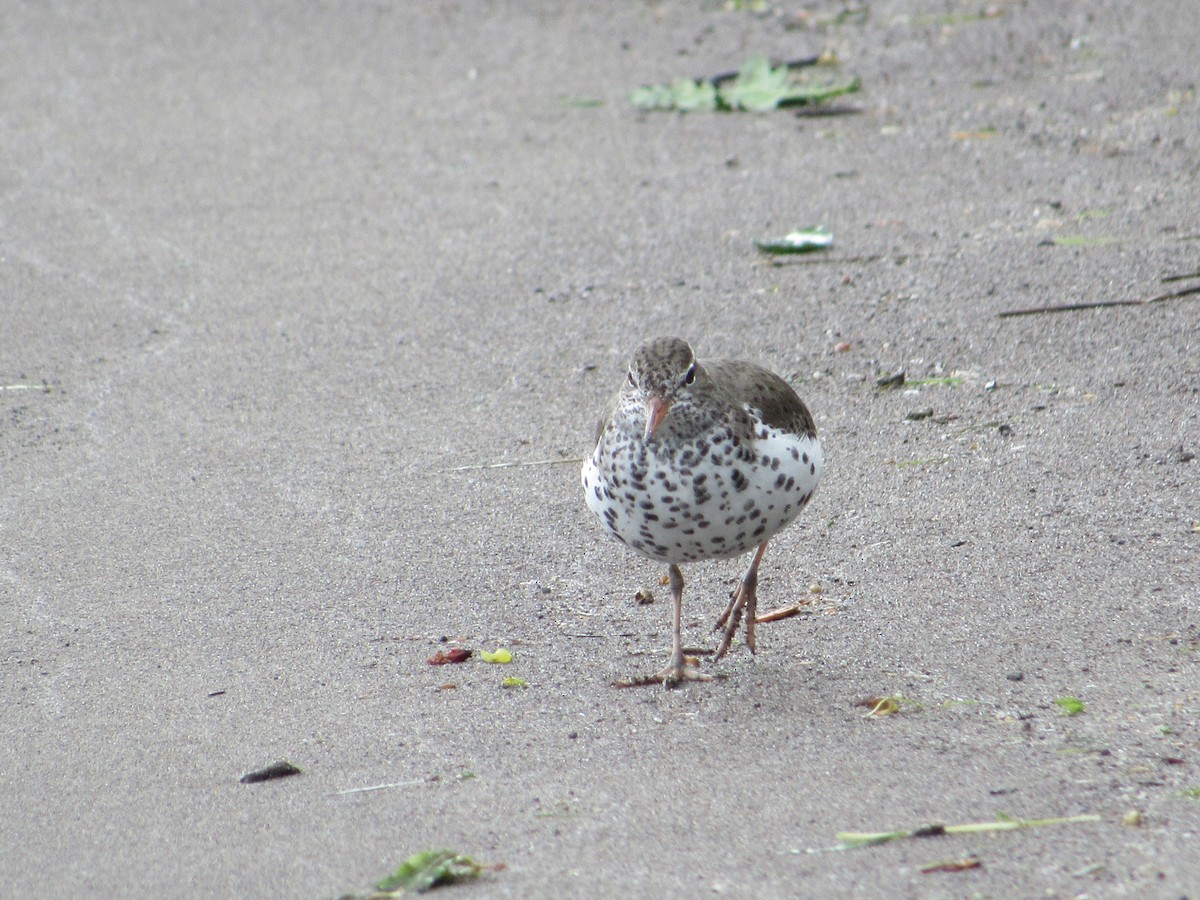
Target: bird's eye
{"points": [[629, 378], [690, 377]]}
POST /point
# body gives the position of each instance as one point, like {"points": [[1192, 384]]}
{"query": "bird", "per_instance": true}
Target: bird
{"points": [[701, 460]]}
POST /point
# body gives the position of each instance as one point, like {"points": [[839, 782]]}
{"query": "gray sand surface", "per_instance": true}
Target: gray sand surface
{"points": [[271, 274]]}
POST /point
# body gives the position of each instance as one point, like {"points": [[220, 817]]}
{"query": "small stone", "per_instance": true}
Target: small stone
{"points": [[1132, 819], [1015, 676], [918, 414], [644, 597], [281, 769]]}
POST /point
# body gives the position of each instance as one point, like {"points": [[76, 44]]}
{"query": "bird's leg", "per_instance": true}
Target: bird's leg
{"points": [[677, 669], [743, 601]]}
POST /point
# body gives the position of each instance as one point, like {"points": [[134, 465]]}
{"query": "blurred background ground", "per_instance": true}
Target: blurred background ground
{"points": [[273, 275]]}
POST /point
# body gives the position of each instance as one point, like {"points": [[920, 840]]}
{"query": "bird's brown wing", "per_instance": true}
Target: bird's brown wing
{"points": [[610, 410], [742, 382]]}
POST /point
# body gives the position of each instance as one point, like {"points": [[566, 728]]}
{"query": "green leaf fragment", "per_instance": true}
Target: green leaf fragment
{"points": [[1071, 706], [426, 870], [758, 87], [651, 96], [805, 240], [688, 95], [682, 94], [501, 656], [513, 683], [805, 94]]}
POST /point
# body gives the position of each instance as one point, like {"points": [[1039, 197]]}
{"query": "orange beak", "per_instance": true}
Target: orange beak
{"points": [[656, 411]]}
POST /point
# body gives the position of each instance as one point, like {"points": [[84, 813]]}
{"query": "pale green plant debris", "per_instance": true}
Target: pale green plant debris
{"points": [[758, 87], [1003, 822], [500, 656], [805, 240], [1071, 706], [682, 94], [423, 871]]}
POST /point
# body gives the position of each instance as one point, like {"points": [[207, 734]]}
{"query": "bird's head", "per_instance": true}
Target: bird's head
{"points": [[661, 375]]}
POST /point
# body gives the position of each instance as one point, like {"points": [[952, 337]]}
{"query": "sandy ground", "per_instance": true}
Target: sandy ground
{"points": [[273, 274]]}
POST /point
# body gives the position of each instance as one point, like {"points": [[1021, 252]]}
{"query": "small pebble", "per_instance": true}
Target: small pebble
{"points": [[280, 769], [1015, 676]]}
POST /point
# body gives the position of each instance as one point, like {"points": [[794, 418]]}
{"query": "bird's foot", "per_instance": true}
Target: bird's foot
{"points": [[673, 675]]}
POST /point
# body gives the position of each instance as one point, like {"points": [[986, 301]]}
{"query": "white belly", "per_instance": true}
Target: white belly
{"points": [[684, 506]]}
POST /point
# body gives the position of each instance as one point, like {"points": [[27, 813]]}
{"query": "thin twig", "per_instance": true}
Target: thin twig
{"points": [[515, 465], [1066, 307], [1173, 295], [803, 260], [784, 612], [379, 787], [1167, 279], [1072, 307]]}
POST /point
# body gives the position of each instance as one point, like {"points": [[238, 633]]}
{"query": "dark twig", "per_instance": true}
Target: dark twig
{"points": [[803, 260], [1072, 307], [718, 80]]}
